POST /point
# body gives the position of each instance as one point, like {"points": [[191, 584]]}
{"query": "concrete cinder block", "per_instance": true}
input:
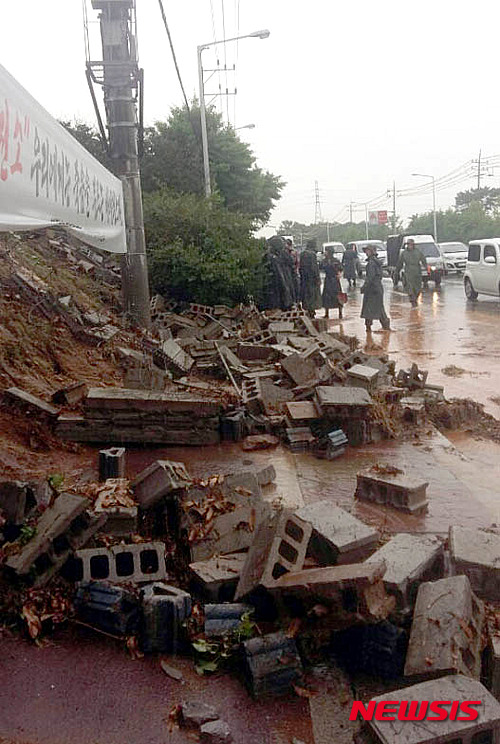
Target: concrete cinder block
{"points": [[140, 562], [112, 463], [266, 476], [70, 395], [221, 618], [446, 632], [335, 401], [29, 403], [239, 508], [355, 592], [165, 608], [302, 371], [158, 480], [410, 560], [47, 545], [113, 609], [279, 545], [398, 490], [476, 553], [215, 580], [170, 356], [360, 375], [337, 536], [430, 728], [272, 664]]}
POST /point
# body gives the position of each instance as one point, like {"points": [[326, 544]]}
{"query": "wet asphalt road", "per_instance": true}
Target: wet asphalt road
{"points": [[443, 330]]}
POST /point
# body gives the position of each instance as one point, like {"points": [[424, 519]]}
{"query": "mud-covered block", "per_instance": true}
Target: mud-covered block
{"points": [[410, 560], [221, 618], [272, 664], [165, 608], [279, 546], [112, 463], [476, 553], [111, 608], [360, 375], [398, 490], [336, 401], [170, 356], [266, 476], [158, 480], [430, 728], [446, 632], [337, 536]]}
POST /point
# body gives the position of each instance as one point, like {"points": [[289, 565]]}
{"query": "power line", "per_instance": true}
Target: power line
{"points": [[174, 56], [216, 53]]}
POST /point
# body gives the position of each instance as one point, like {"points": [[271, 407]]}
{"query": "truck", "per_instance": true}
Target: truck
{"points": [[427, 245]]}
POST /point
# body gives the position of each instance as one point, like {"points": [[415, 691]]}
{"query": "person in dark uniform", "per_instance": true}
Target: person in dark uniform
{"points": [[373, 292], [332, 287], [310, 280], [350, 265]]}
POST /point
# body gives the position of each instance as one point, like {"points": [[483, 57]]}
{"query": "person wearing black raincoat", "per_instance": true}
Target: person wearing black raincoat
{"points": [[279, 269], [310, 280], [332, 287], [350, 265], [373, 292]]}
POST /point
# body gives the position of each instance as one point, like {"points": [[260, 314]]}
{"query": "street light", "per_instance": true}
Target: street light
{"points": [[245, 126], [203, 114], [426, 175]]}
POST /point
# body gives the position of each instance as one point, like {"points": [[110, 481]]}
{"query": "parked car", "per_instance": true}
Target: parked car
{"points": [[454, 256], [482, 271], [427, 245], [360, 244], [338, 251]]}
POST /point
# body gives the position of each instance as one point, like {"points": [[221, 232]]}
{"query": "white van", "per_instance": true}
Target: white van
{"points": [[338, 251], [482, 272], [454, 256]]}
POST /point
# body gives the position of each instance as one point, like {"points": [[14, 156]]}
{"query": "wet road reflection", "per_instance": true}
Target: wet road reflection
{"points": [[443, 330]]}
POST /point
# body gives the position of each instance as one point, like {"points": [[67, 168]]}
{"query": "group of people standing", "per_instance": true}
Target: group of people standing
{"points": [[293, 279]]}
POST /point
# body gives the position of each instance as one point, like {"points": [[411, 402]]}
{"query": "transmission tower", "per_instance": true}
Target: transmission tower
{"points": [[318, 217]]}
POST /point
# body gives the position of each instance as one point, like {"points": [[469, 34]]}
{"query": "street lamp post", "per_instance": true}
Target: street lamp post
{"points": [[203, 113], [426, 175], [245, 126]]}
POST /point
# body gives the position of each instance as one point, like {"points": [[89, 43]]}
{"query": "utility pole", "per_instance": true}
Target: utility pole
{"points": [[394, 205], [366, 222], [119, 74], [317, 204], [327, 232], [479, 171], [350, 212]]}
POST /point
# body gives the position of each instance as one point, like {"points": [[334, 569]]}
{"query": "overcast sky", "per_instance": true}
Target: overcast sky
{"points": [[353, 95]]}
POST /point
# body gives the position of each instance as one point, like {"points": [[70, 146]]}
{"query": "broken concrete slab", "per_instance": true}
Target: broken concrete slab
{"points": [[174, 402], [195, 714], [303, 411], [272, 664], [170, 356], [29, 403], [221, 514], [158, 480], [410, 561], [430, 729], [343, 402], [447, 629], [391, 487], [71, 394], [355, 592], [476, 553], [337, 536], [215, 580], [216, 732], [301, 371], [279, 545]]}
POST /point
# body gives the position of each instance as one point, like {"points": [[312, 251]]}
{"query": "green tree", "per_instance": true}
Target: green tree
{"points": [[199, 251], [488, 198], [173, 159], [90, 139]]}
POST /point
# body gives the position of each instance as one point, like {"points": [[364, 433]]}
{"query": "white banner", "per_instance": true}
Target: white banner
{"points": [[47, 178]]}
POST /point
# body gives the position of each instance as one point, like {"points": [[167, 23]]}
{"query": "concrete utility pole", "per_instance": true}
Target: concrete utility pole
{"points": [[120, 78]]}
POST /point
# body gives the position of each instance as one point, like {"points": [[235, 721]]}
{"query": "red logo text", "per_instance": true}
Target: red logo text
{"points": [[416, 710]]}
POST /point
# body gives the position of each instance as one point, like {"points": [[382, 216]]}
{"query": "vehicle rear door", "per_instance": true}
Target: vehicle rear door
{"points": [[489, 271]]}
